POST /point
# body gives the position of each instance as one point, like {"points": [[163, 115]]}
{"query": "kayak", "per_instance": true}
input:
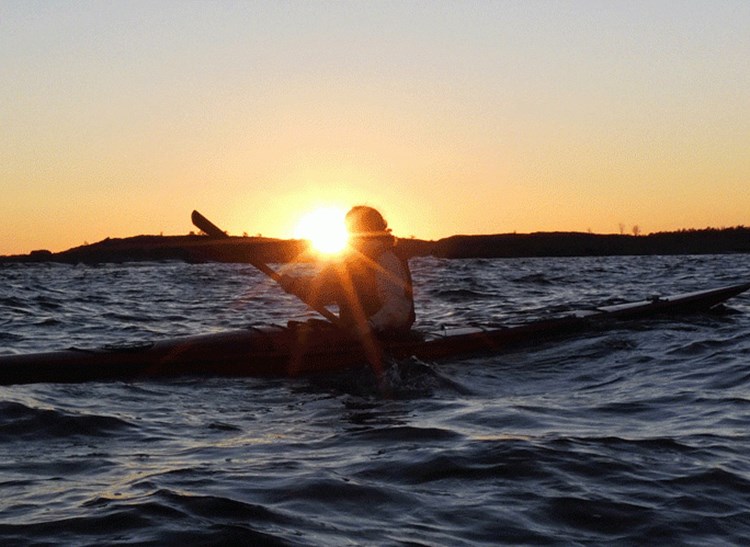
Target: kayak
{"points": [[316, 347]]}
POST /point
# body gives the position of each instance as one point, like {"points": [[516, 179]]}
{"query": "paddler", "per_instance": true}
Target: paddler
{"points": [[370, 284]]}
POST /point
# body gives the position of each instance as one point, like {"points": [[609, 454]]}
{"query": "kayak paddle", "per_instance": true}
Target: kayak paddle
{"points": [[214, 231]]}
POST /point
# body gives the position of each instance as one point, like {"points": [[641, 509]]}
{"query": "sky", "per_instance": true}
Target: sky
{"points": [[118, 118]]}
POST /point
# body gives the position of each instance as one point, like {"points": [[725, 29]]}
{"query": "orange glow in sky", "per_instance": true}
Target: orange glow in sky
{"points": [[120, 118]]}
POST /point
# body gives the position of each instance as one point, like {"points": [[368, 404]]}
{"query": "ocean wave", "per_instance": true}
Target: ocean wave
{"points": [[534, 279], [20, 421], [461, 295], [625, 435], [193, 520]]}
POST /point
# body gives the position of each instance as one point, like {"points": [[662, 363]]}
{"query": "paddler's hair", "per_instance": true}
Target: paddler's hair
{"points": [[364, 221]]}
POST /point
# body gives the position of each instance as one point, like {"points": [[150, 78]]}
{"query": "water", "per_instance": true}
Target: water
{"points": [[634, 435]]}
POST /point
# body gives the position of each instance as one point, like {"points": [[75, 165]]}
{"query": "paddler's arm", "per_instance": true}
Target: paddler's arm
{"points": [[314, 289]]}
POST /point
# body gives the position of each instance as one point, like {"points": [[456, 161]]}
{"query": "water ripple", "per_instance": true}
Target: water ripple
{"points": [[629, 435]]}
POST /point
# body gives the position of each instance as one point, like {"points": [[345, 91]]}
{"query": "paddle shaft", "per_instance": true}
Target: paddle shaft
{"points": [[276, 276], [214, 231]]}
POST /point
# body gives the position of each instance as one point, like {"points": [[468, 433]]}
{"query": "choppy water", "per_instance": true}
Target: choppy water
{"points": [[635, 435]]}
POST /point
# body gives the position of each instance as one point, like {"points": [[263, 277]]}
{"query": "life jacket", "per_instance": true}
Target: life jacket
{"points": [[359, 299]]}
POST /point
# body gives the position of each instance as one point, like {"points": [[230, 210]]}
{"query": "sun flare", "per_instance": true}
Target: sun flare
{"points": [[325, 229]]}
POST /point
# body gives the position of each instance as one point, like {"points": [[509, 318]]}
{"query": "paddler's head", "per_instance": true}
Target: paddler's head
{"points": [[366, 225]]}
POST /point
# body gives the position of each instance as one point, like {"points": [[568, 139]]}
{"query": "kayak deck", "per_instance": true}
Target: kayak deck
{"points": [[308, 349]]}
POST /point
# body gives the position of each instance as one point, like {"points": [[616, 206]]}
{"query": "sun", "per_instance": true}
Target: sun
{"points": [[325, 229]]}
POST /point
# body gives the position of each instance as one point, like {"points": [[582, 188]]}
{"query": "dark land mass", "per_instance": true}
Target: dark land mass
{"points": [[202, 248]]}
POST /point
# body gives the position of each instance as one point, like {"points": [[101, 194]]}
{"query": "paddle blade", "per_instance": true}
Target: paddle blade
{"points": [[208, 227]]}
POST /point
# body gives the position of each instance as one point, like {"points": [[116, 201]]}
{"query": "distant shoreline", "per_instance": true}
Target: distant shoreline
{"points": [[202, 248]]}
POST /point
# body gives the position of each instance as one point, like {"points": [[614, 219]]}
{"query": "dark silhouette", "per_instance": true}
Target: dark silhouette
{"points": [[370, 284], [196, 248]]}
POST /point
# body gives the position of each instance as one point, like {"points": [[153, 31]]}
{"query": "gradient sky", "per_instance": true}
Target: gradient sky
{"points": [[120, 118]]}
